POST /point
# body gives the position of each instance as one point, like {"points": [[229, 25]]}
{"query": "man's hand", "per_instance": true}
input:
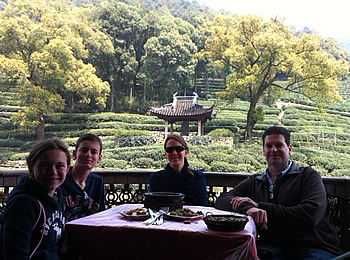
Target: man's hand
{"points": [[236, 201], [259, 216]]}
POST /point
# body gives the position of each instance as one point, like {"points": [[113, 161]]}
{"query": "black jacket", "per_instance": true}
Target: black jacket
{"points": [[194, 187], [297, 216], [18, 220]]}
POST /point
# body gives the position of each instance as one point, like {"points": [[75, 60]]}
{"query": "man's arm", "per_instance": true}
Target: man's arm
{"points": [[240, 199], [243, 189]]}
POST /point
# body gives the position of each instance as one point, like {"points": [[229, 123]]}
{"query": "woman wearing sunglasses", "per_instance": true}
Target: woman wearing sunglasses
{"points": [[177, 176]]}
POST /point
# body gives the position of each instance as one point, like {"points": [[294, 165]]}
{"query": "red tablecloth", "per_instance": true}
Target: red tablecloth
{"points": [[108, 235]]}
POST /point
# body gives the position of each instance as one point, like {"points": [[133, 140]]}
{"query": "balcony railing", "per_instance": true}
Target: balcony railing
{"points": [[128, 186]]}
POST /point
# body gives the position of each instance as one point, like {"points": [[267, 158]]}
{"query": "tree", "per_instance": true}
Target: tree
{"points": [[44, 46], [169, 63], [258, 52], [129, 28]]}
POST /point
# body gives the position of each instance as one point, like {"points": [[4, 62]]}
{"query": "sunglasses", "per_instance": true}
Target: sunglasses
{"points": [[171, 149]]}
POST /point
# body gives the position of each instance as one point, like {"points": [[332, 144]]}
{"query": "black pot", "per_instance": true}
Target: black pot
{"points": [[156, 200]]}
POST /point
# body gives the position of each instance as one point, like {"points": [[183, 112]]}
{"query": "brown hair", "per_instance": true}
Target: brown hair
{"points": [[182, 141], [89, 137], [49, 144], [178, 138], [277, 130]]}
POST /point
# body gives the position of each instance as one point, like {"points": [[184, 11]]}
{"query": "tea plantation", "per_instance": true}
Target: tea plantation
{"points": [[135, 141]]}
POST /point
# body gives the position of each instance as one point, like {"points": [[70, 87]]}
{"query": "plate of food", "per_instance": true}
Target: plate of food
{"points": [[136, 214], [183, 215]]}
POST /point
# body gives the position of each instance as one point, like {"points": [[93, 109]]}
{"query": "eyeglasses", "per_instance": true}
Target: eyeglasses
{"points": [[171, 149]]}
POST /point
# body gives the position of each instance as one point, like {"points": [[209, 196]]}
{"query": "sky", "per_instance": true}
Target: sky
{"points": [[330, 18]]}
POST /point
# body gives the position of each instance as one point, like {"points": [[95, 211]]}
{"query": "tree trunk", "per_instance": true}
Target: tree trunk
{"points": [[112, 97], [131, 92], [144, 90], [71, 107], [250, 121], [41, 129]]}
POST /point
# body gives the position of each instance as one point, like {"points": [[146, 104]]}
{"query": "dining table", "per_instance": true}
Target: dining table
{"points": [[111, 234]]}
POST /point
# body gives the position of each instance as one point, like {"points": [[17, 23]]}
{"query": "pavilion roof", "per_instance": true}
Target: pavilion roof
{"points": [[183, 108]]}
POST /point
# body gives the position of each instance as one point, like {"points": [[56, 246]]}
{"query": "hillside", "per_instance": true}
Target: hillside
{"points": [[135, 141]]}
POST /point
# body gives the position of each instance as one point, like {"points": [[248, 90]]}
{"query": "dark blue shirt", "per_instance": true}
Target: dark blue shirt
{"points": [[80, 203]]}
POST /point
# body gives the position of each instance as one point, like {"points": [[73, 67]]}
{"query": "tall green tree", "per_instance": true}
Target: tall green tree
{"points": [[49, 44], [129, 26], [169, 62], [258, 52]]}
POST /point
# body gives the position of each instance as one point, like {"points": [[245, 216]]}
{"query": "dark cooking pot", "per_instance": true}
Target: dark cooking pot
{"points": [[155, 200]]}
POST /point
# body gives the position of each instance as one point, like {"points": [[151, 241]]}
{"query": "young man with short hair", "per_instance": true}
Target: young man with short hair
{"points": [[83, 191], [288, 204]]}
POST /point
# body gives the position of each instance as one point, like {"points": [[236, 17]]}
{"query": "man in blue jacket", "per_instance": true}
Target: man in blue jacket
{"points": [[288, 204]]}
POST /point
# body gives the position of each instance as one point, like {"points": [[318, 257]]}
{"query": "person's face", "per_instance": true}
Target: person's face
{"points": [[88, 154], [50, 169], [276, 150], [176, 158]]}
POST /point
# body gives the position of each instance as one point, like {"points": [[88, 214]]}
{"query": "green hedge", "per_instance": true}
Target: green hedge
{"points": [[113, 164], [221, 132], [132, 141]]}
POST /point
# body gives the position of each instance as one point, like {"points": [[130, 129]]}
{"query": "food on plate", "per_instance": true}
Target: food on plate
{"points": [[185, 212], [137, 212]]}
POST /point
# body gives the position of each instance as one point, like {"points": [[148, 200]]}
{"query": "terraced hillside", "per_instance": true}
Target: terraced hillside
{"points": [[135, 141]]}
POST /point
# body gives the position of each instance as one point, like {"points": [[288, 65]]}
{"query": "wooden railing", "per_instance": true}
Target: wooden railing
{"points": [[128, 186]]}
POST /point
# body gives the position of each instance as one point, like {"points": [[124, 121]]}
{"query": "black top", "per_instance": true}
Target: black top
{"points": [[194, 187], [80, 203], [19, 217], [297, 215]]}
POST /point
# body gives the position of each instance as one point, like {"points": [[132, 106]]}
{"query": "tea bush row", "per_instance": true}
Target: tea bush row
{"points": [[221, 132]]}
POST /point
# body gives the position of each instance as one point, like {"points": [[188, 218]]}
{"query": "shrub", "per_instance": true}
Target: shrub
{"points": [[302, 137], [113, 164], [339, 173], [221, 132], [127, 141], [209, 156], [233, 129], [18, 156], [222, 122], [299, 158], [217, 166], [201, 140], [11, 142], [144, 163], [199, 165], [244, 167], [132, 132]]}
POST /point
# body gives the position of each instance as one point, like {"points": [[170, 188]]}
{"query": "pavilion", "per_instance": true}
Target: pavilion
{"points": [[185, 109]]}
